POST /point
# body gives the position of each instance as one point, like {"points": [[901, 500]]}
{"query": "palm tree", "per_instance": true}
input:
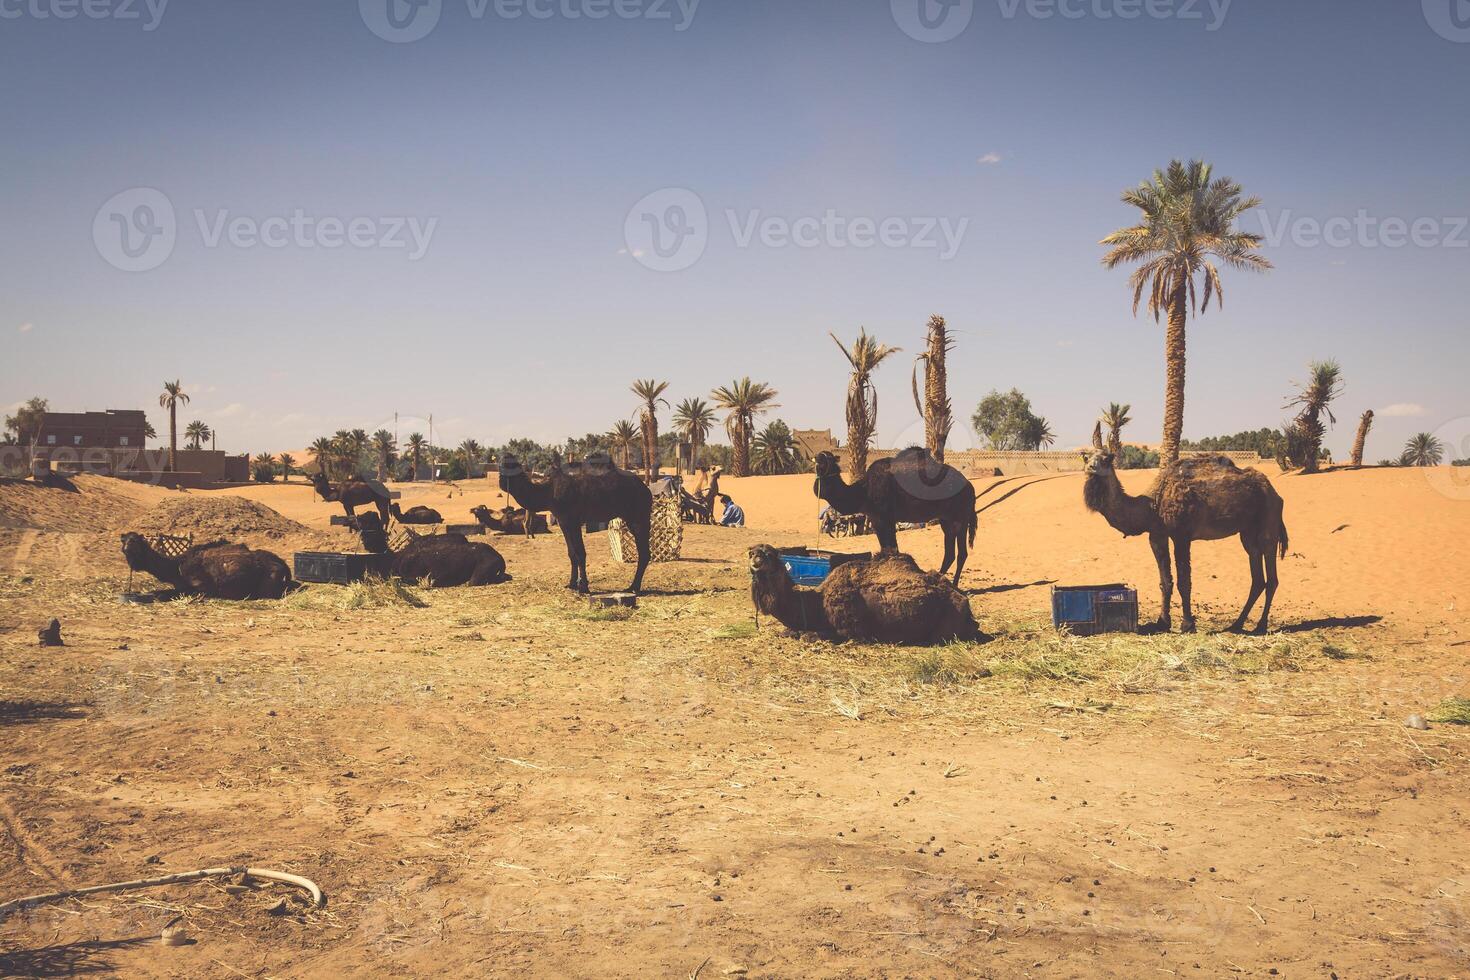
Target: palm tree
{"points": [[621, 437], [774, 450], [743, 400], [694, 418], [473, 455], [1422, 450], [324, 452], [862, 398], [1187, 218], [1115, 417], [173, 396], [1315, 398], [935, 409], [1037, 434], [1361, 441], [649, 393], [385, 449], [416, 446], [197, 433], [287, 462]]}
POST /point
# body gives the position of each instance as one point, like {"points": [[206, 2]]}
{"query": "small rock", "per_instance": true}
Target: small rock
{"points": [[1417, 723], [174, 936]]}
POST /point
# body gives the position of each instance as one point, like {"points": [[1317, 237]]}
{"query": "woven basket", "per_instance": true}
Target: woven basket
{"points": [[665, 541]]}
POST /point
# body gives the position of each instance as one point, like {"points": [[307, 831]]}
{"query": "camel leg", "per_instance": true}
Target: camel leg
{"points": [[1258, 585], [572, 533], [963, 548], [948, 551], [887, 533], [641, 535], [1269, 558], [1160, 545], [1182, 564]]}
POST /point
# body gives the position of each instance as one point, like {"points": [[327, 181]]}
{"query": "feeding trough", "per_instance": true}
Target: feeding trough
{"points": [[325, 567], [808, 566], [464, 529], [1087, 610]]}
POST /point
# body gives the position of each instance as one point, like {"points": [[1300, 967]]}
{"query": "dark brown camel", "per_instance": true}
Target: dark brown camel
{"points": [[576, 494], [415, 515], [449, 560], [218, 570], [1199, 499], [885, 599], [513, 520], [352, 494], [912, 487]]}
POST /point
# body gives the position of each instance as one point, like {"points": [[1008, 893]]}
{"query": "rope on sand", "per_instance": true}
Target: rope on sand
{"points": [[317, 898]]}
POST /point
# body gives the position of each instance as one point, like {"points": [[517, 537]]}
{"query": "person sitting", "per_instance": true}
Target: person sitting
{"points": [[734, 516]]}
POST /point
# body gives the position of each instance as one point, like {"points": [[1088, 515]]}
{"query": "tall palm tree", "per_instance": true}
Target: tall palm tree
{"points": [[197, 433], [1038, 434], [417, 444], [935, 409], [862, 398], [1361, 441], [1187, 218], [650, 394], [173, 396], [287, 462], [743, 400], [694, 418], [1315, 397], [1115, 417], [1423, 450], [324, 452], [385, 449], [774, 450], [622, 437]]}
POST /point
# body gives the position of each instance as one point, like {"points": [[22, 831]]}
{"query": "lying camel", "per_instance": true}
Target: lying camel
{"points": [[218, 570], [449, 560], [513, 520], [884, 599], [415, 515]]}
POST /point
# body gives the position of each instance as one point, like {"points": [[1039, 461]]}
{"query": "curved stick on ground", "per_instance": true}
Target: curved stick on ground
{"points": [[317, 898]]}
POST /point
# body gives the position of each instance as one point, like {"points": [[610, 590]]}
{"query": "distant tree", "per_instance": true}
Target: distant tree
{"points": [[288, 463], [324, 454], [1266, 442], [774, 450], [935, 407], [531, 454], [27, 422], [862, 397], [1005, 423], [263, 468], [694, 418], [417, 445], [197, 433], [621, 438], [1115, 417], [1422, 450], [650, 394], [385, 450], [472, 457], [173, 396], [1314, 398], [1133, 458], [581, 447], [1361, 441]]}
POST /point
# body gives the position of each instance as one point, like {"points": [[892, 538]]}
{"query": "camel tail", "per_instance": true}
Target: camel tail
{"points": [[974, 524], [1285, 539]]}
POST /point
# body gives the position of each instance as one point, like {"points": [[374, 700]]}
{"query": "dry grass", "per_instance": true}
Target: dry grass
{"points": [[1451, 711], [370, 593]]}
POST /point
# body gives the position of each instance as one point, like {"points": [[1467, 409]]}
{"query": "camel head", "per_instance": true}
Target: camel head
{"points": [[510, 467], [1099, 464], [827, 464], [766, 566], [135, 549], [395, 511]]}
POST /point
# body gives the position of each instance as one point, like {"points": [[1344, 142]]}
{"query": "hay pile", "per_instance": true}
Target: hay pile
{"points": [[210, 518]]}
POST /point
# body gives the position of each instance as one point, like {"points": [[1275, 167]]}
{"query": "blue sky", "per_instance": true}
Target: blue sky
{"points": [[519, 146]]}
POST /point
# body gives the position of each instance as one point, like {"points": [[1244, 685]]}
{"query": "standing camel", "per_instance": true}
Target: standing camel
{"points": [[912, 487], [352, 494], [577, 494], [1200, 499]]}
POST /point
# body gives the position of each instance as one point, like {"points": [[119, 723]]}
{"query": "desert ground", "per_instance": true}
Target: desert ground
{"points": [[500, 781]]}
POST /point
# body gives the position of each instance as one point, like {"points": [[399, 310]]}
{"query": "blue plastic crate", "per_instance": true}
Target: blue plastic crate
{"points": [[1086, 610], [808, 567]]}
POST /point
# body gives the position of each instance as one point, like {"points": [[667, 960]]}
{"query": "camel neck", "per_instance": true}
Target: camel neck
{"points": [[161, 567], [794, 608], [1128, 514], [846, 497], [527, 492]]}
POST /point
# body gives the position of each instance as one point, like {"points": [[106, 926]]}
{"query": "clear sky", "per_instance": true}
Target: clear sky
{"points": [[519, 148]]}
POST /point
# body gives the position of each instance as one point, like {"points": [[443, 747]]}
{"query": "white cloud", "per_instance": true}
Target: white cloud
{"points": [[25, 328], [990, 158], [229, 411], [1404, 410]]}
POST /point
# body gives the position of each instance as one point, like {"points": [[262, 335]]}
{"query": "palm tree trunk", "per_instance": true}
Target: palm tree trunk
{"points": [[650, 445], [173, 438], [742, 448], [1174, 357], [936, 389], [1362, 439]]}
